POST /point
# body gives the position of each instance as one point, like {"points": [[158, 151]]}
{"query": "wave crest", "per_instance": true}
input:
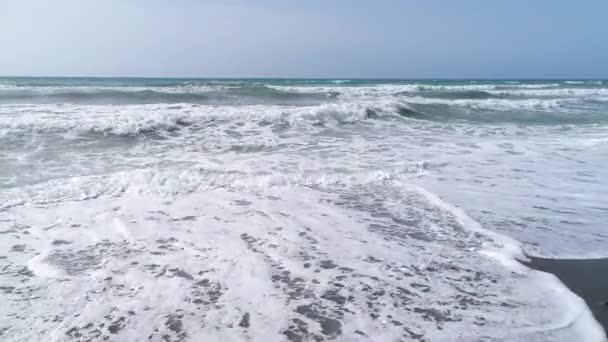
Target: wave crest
{"points": [[159, 119]]}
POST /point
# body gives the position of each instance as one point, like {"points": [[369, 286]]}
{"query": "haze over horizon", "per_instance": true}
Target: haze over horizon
{"points": [[269, 38]]}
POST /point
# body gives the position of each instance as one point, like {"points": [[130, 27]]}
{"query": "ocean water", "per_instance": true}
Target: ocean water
{"points": [[298, 210]]}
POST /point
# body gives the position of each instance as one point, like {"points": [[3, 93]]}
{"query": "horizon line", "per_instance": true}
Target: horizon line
{"points": [[318, 78]]}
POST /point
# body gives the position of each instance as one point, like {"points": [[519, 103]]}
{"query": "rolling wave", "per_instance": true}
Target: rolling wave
{"points": [[157, 119], [160, 119]]}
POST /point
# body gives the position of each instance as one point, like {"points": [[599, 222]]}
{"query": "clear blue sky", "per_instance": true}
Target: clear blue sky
{"points": [[312, 38]]}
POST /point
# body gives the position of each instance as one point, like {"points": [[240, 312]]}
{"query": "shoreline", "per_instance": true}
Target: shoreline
{"points": [[588, 278]]}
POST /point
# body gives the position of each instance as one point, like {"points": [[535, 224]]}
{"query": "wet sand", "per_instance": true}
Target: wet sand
{"points": [[587, 278]]}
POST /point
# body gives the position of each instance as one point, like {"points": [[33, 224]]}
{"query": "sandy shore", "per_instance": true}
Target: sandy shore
{"points": [[587, 278]]}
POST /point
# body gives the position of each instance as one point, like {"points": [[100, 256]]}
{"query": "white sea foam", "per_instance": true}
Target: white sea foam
{"points": [[171, 183], [284, 257]]}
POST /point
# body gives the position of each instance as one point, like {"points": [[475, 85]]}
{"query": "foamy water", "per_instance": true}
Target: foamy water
{"points": [[290, 210]]}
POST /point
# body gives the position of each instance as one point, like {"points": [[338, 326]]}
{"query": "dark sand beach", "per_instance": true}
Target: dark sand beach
{"points": [[587, 278]]}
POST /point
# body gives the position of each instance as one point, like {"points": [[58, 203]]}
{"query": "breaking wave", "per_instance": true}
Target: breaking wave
{"points": [[143, 119], [125, 120]]}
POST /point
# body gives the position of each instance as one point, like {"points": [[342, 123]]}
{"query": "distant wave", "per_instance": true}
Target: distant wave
{"points": [[240, 93], [556, 92], [340, 81], [460, 91], [137, 95], [455, 94], [493, 104]]}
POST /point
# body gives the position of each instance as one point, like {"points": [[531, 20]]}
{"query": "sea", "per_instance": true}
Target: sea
{"points": [[144, 209]]}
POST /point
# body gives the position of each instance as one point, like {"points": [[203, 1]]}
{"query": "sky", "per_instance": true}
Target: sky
{"points": [[307, 39]]}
